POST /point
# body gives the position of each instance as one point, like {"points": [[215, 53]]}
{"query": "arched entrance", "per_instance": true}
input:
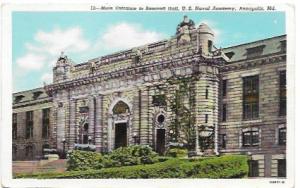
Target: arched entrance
{"points": [[119, 125]]}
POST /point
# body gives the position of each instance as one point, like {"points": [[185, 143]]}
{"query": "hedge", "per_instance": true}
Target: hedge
{"points": [[228, 166], [124, 156]]}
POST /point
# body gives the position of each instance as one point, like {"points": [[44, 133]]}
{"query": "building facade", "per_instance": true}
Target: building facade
{"points": [[178, 91]]}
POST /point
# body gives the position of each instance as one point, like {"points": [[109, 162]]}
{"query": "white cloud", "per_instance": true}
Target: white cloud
{"points": [[127, 35], [31, 61], [47, 77], [52, 43]]}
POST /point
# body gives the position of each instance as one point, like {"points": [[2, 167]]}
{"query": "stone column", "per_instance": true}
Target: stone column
{"points": [[72, 134], [144, 129], [61, 123], [91, 120], [98, 123]]}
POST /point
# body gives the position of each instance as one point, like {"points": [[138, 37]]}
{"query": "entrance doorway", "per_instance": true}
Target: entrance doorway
{"points": [[120, 135], [160, 141]]}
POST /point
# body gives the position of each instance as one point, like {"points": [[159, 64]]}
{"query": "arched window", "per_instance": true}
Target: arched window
{"points": [[121, 108]]}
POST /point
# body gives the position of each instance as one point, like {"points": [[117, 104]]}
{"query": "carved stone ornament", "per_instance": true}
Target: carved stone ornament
{"points": [[183, 30]]}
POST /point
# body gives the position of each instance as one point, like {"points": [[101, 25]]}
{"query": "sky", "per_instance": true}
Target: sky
{"points": [[40, 37]]}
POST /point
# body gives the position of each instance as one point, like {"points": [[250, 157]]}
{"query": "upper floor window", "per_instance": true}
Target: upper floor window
{"points": [[224, 112], [224, 88], [210, 46], [29, 124], [46, 122], [282, 136], [14, 128], [250, 138], [251, 97], [282, 93], [255, 51], [18, 98], [283, 45], [159, 100]]}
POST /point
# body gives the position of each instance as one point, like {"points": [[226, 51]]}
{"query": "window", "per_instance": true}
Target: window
{"points": [[46, 122], [206, 92], [255, 51], [29, 152], [29, 124], [283, 45], [250, 138], [206, 118], [222, 141], [282, 93], [19, 98], [210, 46], [250, 97], [281, 167], [224, 112], [83, 109], [15, 128], [36, 94], [224, 88], [253, 168], [282, 136], [159, 100], [229, 54]]}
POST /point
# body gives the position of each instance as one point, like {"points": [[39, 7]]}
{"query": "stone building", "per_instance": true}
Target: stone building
{"points": [[180, 91]]}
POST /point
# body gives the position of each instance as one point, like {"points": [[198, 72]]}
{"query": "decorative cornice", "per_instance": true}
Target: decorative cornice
{"points": [[246, 64], [176, 61]]}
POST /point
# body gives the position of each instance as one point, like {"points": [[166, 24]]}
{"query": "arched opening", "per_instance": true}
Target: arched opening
{"points": [[120, 110]]}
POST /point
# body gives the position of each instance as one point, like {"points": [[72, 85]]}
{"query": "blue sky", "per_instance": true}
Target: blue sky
{"points": [[39, 37]]}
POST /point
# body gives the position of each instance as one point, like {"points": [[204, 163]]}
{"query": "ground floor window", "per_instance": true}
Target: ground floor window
{"points": [[250, 138], [281, 168], [253, 168]]}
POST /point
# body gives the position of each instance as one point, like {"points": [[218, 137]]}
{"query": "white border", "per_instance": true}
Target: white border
{"points": [[79, 5]]}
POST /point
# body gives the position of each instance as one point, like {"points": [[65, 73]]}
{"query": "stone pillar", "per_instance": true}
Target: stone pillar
{"points": [[91, 130], [61, 123], [72, 134], [98, 123], [144, 129]]}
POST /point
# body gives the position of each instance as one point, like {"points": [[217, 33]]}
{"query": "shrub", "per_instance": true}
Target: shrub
{"points": [[84, 160], [132, 155], [233, 166], [177, 152]]}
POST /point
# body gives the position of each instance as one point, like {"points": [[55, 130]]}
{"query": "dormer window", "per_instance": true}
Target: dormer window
{"points": [[229, 54], [36, 94], [255, 51], [283, 46], [19, 98]]}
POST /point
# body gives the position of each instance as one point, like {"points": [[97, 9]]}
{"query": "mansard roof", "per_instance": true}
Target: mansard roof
{"points": [[267, 46]]}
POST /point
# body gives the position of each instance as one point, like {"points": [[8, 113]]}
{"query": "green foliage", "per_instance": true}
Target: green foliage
{"points": [[177, 152], [124, 156], [132, 155], [231, 166], [84, 160]]}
